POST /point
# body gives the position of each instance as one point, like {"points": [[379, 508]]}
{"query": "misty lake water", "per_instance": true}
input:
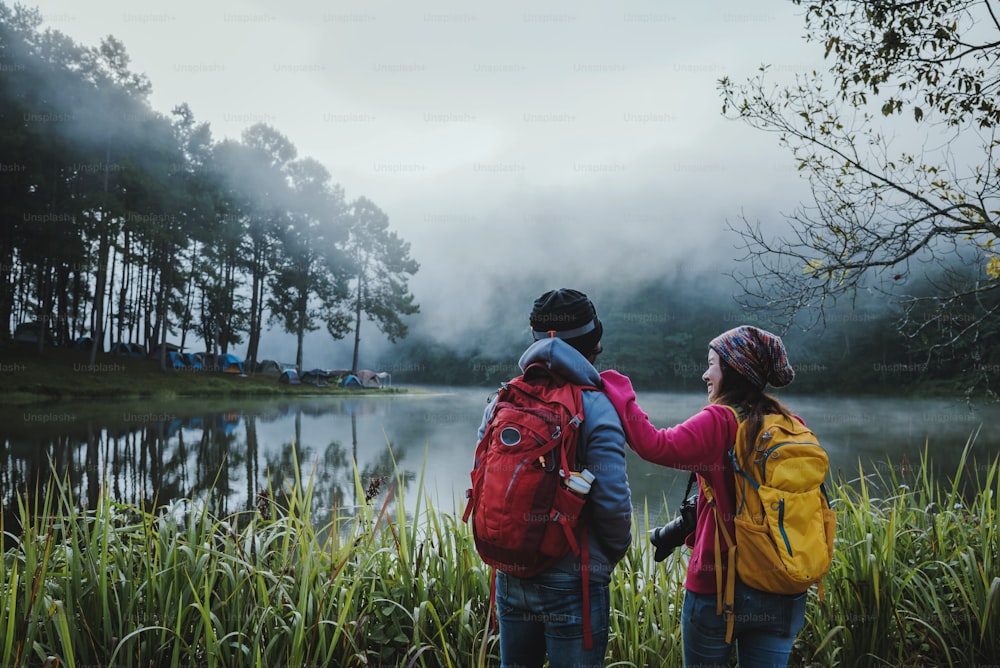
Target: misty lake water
{"points": [[225, 451]]}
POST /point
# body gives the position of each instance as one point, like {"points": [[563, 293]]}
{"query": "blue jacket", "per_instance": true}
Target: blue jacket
{"points": [[602, 447]]}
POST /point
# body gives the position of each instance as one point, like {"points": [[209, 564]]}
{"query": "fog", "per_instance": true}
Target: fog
{"points": [[517, 147]]}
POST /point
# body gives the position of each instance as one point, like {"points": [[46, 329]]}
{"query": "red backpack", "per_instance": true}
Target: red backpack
{"points": [[524, 517]]}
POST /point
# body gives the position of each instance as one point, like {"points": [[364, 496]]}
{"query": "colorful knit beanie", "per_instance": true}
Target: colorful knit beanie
{"points": [[758, 355]]}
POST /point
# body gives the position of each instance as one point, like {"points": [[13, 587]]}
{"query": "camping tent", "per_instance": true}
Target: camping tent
{"points": [[193, 361], [289, 377], [176, 360], [130, 349], [269, 367], [171, 348], [368, 378], [229, 364], [317, 377], [350, 381], [29, 332], [364, 378]]}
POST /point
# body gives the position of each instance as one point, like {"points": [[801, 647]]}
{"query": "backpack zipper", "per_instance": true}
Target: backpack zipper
{"points": [[513, 477], [781, 526]]}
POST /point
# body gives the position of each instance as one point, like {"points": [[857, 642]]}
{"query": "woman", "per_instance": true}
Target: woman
{"points": [[741, 363]]}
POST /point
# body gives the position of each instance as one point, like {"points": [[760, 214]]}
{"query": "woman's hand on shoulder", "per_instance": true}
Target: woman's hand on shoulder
{"points": [[617, 386]]}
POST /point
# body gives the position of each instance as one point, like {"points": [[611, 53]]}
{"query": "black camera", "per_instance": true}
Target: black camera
{"points": [[670, 536]]}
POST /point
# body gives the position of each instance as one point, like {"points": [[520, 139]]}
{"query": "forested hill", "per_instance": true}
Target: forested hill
{"points": [[658, 334]]}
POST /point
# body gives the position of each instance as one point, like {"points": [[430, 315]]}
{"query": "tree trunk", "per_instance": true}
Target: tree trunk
{"points": [[164, 305], [253, 338], [43, 317], [100, 286], [300, 335], [76, 295], [113, 260], [228, 311], [134, 302], [126, 282], [261, 278], [109, 289], [149, 307], [63, 336], [188, 300], [6, 276], [357, 328]]}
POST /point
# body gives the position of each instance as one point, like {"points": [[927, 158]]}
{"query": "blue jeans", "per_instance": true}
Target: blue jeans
{"points": [[764, 629], [544, 614]]}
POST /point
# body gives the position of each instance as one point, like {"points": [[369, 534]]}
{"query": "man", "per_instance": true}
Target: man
{"points": [[544, 614]]}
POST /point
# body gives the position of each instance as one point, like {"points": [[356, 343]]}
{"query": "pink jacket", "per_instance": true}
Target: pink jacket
{"points": [[700, 444]]}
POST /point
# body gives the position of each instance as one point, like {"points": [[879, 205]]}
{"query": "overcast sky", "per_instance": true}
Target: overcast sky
{"points": [[494, 135]]}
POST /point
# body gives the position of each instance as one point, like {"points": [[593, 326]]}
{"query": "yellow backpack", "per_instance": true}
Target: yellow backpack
{"points": [[783, 520]]}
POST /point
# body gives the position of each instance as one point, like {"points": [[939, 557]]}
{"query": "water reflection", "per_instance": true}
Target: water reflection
{"points": [[222, 454], [225, 452]]}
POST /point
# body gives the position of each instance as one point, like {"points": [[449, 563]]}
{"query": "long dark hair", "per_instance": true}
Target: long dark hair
{"points": [[751, 403]]}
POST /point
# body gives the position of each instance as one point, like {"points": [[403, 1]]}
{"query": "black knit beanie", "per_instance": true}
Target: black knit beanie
{"points": [[569, 315]]}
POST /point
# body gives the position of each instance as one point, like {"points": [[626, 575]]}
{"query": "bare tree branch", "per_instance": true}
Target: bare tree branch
{"points": [[880, 214]]}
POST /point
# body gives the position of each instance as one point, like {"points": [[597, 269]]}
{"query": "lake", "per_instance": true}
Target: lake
{"points": [[224, 451]]}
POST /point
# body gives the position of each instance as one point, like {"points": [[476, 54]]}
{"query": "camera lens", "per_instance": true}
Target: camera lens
{"points": [[670, 536]]}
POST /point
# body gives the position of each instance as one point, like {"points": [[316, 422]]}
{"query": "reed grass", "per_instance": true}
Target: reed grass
{"points": [[914, 581], [915, 577]]}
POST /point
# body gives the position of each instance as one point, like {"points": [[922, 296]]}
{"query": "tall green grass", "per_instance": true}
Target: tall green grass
{"points": [[273, 587], [915, 578], [914, 581]]}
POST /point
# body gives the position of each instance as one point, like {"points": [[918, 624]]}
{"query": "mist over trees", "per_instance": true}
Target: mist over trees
{"points": [[382, 262], [123, 224], [657, 332], [898, 141]]}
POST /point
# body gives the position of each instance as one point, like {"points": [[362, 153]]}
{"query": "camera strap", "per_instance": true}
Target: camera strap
{"points": [[691, 481]]}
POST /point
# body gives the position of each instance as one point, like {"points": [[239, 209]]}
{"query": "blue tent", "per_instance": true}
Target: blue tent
{"points": [[193, 360], [289, 377], [229, 364], [350, 381], [176, 360]]}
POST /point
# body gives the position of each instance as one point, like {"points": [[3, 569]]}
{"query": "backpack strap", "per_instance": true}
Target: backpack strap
{"points": [[491, 616], [743, 478], [588, 634], [725, 593], [580, 548], [581, 455]]}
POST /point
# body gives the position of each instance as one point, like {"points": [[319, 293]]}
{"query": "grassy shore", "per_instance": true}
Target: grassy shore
{"points": [[58, 373], [914, 582]]}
